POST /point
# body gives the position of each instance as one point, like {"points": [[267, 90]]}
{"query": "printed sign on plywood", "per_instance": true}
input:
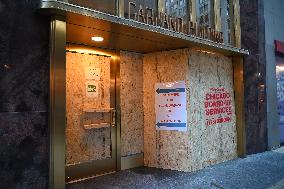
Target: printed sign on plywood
{"points": [[170, 106]]}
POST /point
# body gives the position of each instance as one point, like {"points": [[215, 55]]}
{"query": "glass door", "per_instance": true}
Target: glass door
{"points": [[91, 124]]}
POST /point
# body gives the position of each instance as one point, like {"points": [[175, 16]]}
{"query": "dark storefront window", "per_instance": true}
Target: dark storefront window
{"points": [[204, 9], [280, 93]]}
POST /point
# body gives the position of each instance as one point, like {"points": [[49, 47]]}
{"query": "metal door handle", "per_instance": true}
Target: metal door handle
{"points": [[112, 117]]}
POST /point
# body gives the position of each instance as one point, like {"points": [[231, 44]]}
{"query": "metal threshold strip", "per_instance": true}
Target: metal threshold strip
{"points": [[151, 38]]}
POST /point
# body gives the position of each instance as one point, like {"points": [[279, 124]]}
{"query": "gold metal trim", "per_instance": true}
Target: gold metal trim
{"points": [[84, 170], [57, 121], [118, 111], [239, 105], [132, 161]]}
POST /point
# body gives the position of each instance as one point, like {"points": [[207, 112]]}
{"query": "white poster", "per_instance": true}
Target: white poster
{"points": [[93, 73], [170, 106]]}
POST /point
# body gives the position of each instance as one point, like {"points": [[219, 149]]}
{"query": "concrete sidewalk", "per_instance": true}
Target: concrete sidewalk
{"points": [[260, 171]]}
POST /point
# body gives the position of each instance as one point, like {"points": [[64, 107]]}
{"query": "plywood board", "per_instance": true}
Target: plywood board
{"points": [[131, 98], [81, 144], [201, 145]]}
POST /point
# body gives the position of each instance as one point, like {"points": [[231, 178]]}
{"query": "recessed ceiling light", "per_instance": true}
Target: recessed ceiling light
{"points": [[97, 39]]}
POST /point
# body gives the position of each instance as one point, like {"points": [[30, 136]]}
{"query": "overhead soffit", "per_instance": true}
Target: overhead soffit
{"points": [[125, 34]]}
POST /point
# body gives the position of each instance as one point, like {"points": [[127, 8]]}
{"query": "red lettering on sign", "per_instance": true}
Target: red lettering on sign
{"points": [[218, 106]]}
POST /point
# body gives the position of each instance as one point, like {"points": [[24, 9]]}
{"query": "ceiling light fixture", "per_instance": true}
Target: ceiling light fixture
{"points": [[97, 39]]}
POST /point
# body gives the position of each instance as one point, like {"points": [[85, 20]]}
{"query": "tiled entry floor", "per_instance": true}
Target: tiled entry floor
{"points": [[258, 171]]}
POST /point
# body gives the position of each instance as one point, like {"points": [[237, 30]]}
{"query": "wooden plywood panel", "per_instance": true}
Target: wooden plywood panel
{"points": [[165, 149], [131, 73], [215, 143], [201, 145], [81, 144]]}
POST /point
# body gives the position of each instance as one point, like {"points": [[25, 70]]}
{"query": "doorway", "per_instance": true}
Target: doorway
{"points": [[91, 119]]}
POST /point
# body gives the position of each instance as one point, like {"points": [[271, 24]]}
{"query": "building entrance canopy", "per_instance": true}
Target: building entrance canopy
{"points": [[129, 34]]}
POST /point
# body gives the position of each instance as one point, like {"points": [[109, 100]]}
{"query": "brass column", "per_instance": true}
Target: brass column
{"points": [[239, 105], [238, 77], [57, 102]]}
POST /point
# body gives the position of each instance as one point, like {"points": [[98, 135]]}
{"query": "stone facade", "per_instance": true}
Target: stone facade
{"points": [[24, 88], [253, 39]]}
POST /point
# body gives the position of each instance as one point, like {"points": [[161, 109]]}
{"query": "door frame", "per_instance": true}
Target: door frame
{"points": [[93, 168], [57, 105]]}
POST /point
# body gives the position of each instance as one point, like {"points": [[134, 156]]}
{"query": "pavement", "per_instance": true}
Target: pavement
{"points": [[259, 171]]}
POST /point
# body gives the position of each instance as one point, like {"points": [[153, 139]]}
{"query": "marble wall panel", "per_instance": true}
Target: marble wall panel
{"points": [[201, 145], [24, 57], [24, 150], [253, 39], [131, 99], [24, 88], [81, 144]]}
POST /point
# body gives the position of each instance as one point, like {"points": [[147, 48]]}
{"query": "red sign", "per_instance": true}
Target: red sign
{"points": [[279, 46], [218, 106]]}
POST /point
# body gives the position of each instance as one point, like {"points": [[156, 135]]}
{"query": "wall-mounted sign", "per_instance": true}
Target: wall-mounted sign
{"points": [[218, 106], [170, 106], [92, 89], [279, 46], [93, 73], [150, 16]]}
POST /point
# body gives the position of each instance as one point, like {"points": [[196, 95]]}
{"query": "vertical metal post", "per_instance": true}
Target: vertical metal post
{"points": [[120, 8], [232, 24], [235, 25], [238, 77], [192, 10], [224, 20], [118, 110], [217, 15], [57, 102], [239, 104]]}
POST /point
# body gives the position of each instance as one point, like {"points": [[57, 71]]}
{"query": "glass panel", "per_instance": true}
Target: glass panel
{"points": [[203, 11], [88, 132], [280, 93], [107, 6], [177, 8], [225, 20]]}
